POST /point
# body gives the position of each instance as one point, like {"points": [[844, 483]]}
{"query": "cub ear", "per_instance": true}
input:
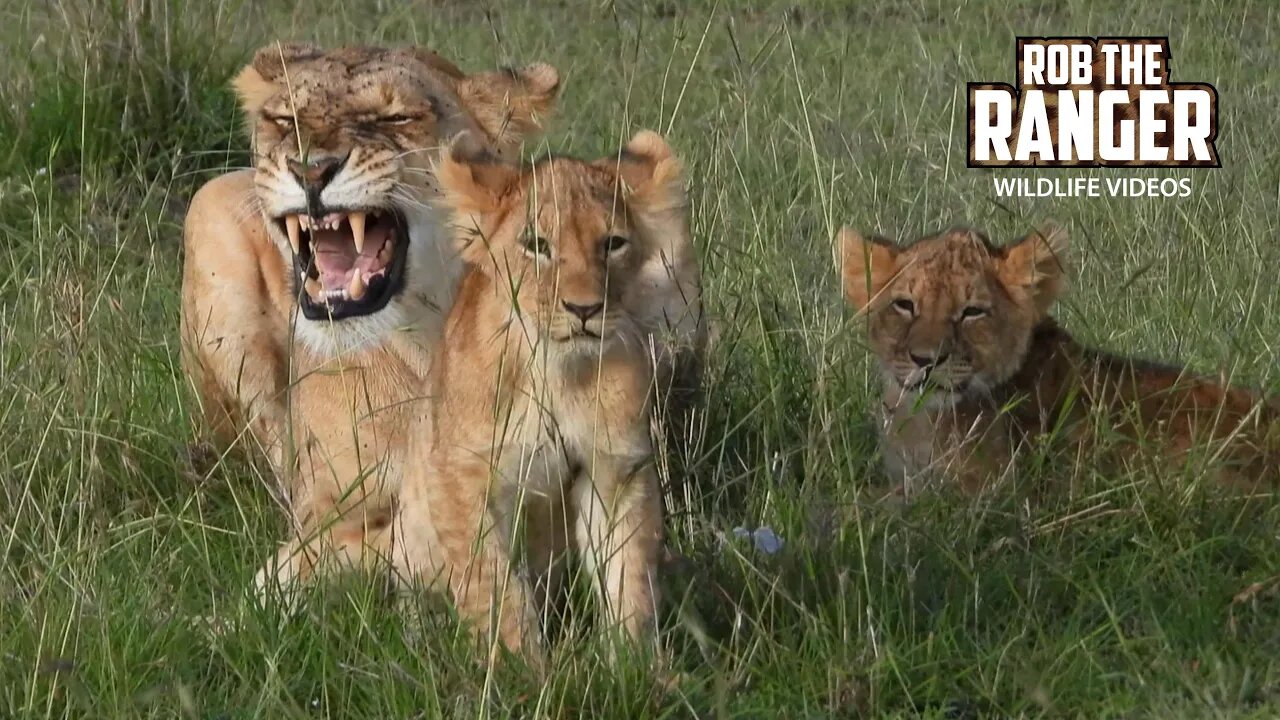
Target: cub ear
{"points": [[1034, 263], [866, 266], [472, 182], [651, 174], [510, 105], [472, 178], [264, 75]]}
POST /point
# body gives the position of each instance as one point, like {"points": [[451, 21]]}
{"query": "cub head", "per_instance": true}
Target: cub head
{"points": [[343, 143], [565, 239], [951, 312]]}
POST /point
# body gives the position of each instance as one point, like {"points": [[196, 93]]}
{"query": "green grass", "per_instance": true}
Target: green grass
{"points": [[1115, 599]]}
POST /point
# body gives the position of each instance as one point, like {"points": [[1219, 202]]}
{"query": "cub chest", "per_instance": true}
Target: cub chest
{"points": [[559, 430]]}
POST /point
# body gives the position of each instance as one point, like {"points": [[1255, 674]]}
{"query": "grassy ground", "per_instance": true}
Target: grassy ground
{"points": [[1113, 599]]}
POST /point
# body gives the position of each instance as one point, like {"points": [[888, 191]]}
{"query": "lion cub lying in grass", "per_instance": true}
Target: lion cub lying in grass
{"points": [[580, 295], [975, 369]]}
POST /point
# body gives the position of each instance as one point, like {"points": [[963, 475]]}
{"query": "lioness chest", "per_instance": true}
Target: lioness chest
{"points": [[350, 419]]}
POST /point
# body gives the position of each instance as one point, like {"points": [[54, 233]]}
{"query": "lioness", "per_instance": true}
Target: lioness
{"points": [[315, 287], [975, 368], [580, 297]]}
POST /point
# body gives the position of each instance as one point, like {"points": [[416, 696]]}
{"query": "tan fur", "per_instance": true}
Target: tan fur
{"points": [[1008, 376], [328, 402], [510, 105], [538, 432]]}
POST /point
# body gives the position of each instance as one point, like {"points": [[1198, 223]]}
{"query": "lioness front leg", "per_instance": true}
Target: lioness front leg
{"points": [[356, 540], [448, 503], [618, 530], [234, 322]]}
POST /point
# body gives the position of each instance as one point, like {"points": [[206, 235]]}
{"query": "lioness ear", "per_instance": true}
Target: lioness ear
{"points": [[511, 104], [1034, 263], [866, 266], [253, 90], [652, 176], [264, 75], [272, 60], [435, 61]]}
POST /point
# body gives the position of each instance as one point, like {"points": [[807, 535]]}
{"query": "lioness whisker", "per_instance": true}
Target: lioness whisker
{"points": [[414, 151], [400, 194]]}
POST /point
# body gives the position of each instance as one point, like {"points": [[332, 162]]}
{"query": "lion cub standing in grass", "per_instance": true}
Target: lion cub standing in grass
{"points": [[580, 299], [975, 368]]}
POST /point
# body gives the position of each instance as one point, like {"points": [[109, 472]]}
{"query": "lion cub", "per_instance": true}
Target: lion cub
{"points": [[975, 368], [538, 429]]}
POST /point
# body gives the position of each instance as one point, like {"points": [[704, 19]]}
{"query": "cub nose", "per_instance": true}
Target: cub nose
{"points": [[316, 174], [928, 361], [583, 312]]}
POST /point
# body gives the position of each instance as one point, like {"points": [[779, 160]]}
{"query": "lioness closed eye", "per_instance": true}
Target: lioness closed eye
{"points": [[541, 393], [975, 368]]}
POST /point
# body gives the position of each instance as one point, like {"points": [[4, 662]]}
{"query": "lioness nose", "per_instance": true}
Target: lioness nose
{"points": [[317, 173], [584, 312], [928, 361]]}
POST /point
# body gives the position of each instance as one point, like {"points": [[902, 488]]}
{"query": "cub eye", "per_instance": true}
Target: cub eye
{"points": [[972, 311], [396, 119], [614, 243], [904, 305], [284, 122], [536, 245]]}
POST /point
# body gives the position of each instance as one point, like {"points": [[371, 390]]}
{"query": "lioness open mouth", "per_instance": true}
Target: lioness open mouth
{"points": [[349, 262]]}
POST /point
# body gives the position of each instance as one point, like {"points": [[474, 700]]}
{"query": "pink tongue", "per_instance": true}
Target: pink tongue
{"points": [[335, 255]]}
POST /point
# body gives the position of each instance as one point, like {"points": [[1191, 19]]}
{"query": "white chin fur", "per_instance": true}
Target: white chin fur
{"points": [[570, 354], [933, 397], [579, 347], [431, 272], [940, 399]]}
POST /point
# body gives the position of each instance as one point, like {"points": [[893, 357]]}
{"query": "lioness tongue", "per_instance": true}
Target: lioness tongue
{"points": [[335, 255]]}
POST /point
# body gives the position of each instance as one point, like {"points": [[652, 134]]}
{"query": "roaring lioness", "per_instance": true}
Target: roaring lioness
{"points": [[581, 297], [315, 287], [975, 369]]}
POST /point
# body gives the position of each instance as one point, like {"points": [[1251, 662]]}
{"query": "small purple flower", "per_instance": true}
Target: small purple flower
{"points": [[764, 538], [767, 541]]}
